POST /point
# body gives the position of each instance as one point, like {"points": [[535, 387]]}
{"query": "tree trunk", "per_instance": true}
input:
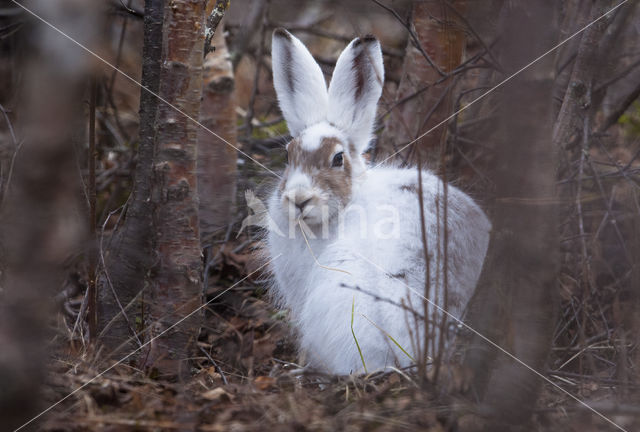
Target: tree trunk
{"points": [[516, 291], [442, 38], [130, 253], [175, 287], [40, 227], [217, 159], [576, 103]]}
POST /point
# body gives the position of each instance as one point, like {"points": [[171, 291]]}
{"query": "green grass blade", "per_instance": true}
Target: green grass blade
{"points": [[353, 306], [387, 335]]}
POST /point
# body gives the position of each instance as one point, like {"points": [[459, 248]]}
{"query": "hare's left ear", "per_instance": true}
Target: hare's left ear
{"points": [[355, 88]]}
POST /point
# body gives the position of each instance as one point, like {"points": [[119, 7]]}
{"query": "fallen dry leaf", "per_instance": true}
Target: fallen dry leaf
{"points": [[216, 394], [264, 383]]}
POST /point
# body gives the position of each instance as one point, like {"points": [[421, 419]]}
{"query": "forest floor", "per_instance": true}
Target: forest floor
{"points": [[244, 377]]}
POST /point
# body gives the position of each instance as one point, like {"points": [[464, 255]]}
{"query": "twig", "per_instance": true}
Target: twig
{"points": [[81, 312], [115, 114], [413, 36], [621, 108], [215, 365], [617, 77], [120, 45], [9, 125], [432, 111], [469, 27], [92, 292], [121, 8], [212, 24], [445, 265], [376, 297], [422, 365], [17, 146], [9, 30], [113, 291]]}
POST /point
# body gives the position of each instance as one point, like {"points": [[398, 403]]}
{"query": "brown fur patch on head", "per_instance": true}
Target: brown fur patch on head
{"points": [[317, 164]]}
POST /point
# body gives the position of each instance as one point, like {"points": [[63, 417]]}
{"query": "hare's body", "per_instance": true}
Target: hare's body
{"points": [[320, 299], [361, 265]]}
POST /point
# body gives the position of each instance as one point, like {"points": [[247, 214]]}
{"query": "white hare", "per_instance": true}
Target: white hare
{"points": [[362, 225]]}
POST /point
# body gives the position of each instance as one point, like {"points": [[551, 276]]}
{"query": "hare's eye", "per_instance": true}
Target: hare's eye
{"points": [[337, 160]]}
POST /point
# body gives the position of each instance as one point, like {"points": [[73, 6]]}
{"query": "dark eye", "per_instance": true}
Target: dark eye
{"points": [[337, 160]]}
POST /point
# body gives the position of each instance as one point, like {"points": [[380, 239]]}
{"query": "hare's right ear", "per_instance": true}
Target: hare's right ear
{"points": [[355, 89], [299, 83]]}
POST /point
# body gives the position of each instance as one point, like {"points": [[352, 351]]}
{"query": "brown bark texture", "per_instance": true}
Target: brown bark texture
{"points": [[442, 38], [129, 254], [217, 159], [577, 98], [175, 285]]}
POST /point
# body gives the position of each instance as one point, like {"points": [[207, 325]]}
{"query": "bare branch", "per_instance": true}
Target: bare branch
{"points": [[212, 23]]}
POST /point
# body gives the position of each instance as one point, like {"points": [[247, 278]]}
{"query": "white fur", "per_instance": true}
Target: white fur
{"points": [[312, 137], [319, 303], [355, 115], [305, 104]]}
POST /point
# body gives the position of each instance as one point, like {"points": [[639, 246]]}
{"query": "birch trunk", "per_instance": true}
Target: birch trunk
{"points": [[175, 286]]}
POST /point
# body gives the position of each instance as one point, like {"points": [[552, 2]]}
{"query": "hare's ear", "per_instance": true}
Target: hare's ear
{"points": [[355, 89], [299, 82]]}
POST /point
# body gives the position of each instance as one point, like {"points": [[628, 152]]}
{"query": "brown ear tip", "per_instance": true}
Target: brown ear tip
{"points": [[281, 32]]}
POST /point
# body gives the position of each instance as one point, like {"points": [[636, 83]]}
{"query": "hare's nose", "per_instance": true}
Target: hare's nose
{"points": [[302, 203]]}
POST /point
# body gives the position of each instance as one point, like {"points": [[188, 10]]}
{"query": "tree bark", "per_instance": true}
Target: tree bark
{"points": [[515, 303], [442, 38], [40, 227], [130, 252], [175, 286], [217, 159], [577, 98]]}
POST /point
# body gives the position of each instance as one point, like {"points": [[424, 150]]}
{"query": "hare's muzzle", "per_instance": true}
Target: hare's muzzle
{"points": [[297, 202]]}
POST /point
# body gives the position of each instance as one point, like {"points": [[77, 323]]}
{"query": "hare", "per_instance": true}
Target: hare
{"points": [[347, 252]]}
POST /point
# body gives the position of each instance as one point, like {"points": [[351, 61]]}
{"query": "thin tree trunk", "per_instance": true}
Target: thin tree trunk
{"points": [[129, 256], [576, 101], [217, 159], [517, 285], [442, 38], [176, 280]]}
